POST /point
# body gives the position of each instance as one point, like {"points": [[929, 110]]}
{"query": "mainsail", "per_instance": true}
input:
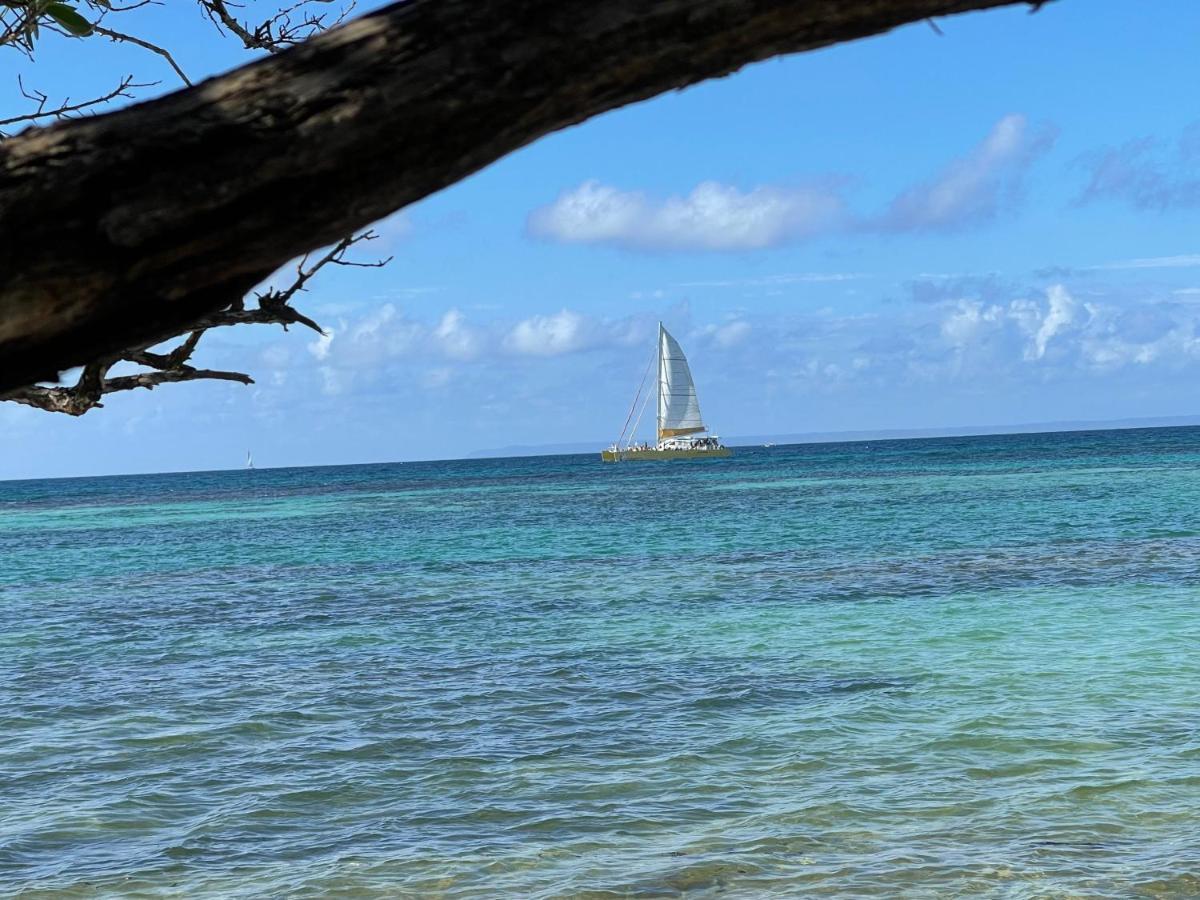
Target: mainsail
{"points": [[678, 408]]}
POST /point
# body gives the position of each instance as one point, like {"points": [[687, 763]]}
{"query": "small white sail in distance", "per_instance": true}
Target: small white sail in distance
{"points": [[678, 407], [249, 460]]}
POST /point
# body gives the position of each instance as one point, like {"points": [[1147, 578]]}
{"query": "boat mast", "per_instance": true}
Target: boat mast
{"points": [[661, 398]]}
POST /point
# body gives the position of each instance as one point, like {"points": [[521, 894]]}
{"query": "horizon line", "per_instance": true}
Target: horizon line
{"points": [[849, 436]]}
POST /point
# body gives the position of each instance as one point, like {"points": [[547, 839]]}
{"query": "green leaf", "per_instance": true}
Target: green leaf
{"points": [[68, 18]]}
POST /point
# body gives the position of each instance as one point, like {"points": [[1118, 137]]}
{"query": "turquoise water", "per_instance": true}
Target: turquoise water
{"points": [[957, 667]]}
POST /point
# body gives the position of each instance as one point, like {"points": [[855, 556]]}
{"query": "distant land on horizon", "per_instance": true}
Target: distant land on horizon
{"points": [[835, 437]]}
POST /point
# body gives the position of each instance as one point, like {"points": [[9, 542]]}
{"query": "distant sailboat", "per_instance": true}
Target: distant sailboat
{"points": [[681, 430], [249, 460]]}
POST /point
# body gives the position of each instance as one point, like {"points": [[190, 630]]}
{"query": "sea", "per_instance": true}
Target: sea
{"points": [[955, 667]]}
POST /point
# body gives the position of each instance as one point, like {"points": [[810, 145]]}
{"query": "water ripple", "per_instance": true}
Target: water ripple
{"points": [[934, 668]]}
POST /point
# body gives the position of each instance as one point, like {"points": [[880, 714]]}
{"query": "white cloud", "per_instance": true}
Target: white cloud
{"points": [[373, 323], [456, 338], [320, 347], [383, 333], [973, 341], [968, 321], [1063, 333], [1026, 325], [560, 333], [1060, 314], [713, 216], [386, 337], [974, 188], [970, 190], [728, 335]]}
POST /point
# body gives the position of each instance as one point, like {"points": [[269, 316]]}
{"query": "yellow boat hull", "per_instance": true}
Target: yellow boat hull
{"points": [[661, 455]]}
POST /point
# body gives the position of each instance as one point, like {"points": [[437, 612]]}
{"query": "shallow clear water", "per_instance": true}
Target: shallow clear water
{"points": [[957, 667]]}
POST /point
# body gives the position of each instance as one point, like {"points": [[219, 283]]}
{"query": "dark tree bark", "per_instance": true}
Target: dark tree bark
{"points": [[127, 227]]}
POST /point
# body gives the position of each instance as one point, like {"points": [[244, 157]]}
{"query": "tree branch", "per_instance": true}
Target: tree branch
{"points": [[121, 37], [280, 31], [79, 399], [67, 109], [126, 228], [151, 380], [172, 366]]}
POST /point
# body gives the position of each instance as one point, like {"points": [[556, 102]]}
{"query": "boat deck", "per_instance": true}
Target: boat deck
{"points": [[654, 455]]}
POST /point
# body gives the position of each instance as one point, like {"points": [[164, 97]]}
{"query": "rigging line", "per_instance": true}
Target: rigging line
{"points": [[633, 405], [636, 424]]}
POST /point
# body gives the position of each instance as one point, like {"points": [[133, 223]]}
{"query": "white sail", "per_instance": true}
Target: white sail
{"points": [[678, 408]]}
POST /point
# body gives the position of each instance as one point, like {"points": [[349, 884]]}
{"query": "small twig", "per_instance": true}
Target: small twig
{"points": [[153, 48], [68, 108], [279, 31], [336, 257]]}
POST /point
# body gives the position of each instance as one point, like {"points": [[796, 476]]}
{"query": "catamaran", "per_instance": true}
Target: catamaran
{"points": [[681, 430]]}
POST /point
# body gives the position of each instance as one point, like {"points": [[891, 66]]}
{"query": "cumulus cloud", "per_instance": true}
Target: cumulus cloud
{"points": [[713, 216], [563, 332], [456, 338], [1061, 312], [970, 190], [728, 335], [1029, 325], [974, 188], [972, 335], [1059, 332], [1146, 174], [386, 337], [971, 344], [969, 321], [567, 331], [320, 347]]}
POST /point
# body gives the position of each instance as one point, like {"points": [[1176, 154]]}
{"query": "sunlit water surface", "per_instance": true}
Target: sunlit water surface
{"points": [[959, 667]]}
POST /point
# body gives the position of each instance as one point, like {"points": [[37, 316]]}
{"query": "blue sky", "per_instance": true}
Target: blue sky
{"points": [[996, 225]]}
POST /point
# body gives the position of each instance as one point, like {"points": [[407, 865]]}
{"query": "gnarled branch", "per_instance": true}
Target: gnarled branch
{"points": [[93, 384], [173, 366]]}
